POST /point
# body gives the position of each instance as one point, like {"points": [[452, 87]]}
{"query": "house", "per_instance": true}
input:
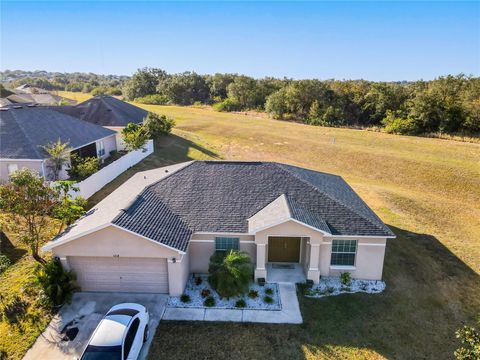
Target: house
{"points": [[27, 94], [163, 224], [25, 129], [107, 111]]}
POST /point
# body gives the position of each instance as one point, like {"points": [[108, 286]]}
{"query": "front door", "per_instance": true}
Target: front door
{"points": [[284, 249]]}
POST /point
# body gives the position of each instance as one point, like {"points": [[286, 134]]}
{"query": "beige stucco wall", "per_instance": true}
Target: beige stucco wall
{"points": [[31, 164], [178, 272], [112, 241], [368, 262], [202, 247]]}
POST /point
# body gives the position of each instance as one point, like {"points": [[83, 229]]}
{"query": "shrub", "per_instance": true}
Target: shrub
{"points": [[154, 99], [228, 104], [198, 280], [269, 291], [205, 293], [240, 303], [209, 301], [330, 290], [230, 273], [253, 294], [470, 338], [82, 168], [184, 298], [4, 263], [268, 299], [158, 125], [56, 284], [345, 278], [135, 136], [399, 125]]}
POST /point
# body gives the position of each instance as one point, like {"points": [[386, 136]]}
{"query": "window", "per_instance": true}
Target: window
{"points": [[343, 252], [12, 168], [127, 345], [226, 243]]}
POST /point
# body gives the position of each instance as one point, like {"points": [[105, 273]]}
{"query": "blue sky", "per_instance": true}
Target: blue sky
{"points": [[342, 40]]}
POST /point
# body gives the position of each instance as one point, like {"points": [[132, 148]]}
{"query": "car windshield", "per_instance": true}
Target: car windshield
{"points": [[102, 353]]}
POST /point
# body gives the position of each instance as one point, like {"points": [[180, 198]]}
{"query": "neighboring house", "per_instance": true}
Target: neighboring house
{"points": [[27, 94], [25, 129], [107, 111], [41, 99], [163, 224]]}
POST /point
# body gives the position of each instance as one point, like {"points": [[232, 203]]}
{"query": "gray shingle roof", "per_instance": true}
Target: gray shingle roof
{"points": [[105, 110], [24, 130], [219, 196]]}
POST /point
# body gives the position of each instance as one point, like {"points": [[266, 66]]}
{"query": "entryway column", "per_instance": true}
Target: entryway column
{"points": [[313, 269], [260, 270]]}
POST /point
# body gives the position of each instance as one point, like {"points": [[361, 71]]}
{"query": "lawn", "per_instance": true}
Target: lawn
{"points": [[426, 190]]}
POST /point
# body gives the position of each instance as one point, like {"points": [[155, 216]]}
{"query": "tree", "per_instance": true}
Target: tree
{"points": [[135, 136], [230, 273], [69, 209], [158, 125], [30, 200], [470, 338], [185, 88], [58, 156], [143, 82], [244, 90]]}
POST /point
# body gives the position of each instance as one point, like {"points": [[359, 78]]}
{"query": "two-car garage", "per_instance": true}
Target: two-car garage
{"points": [[114, 260], [123, 274]]}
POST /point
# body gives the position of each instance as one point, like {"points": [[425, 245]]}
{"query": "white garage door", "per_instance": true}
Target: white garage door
{"points": [[120, 274]]}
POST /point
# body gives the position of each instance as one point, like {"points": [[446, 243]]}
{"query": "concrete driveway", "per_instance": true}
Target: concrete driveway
{"points": [[85, 312]]}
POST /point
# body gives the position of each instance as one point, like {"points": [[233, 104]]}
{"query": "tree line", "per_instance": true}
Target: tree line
{"points": [[448, 104]]}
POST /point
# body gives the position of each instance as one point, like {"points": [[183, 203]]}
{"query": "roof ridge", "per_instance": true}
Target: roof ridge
{"points": [[278, 165]]}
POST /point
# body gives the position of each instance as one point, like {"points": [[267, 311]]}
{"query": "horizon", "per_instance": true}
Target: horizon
{"points": [[256, 78], [383, 41]]}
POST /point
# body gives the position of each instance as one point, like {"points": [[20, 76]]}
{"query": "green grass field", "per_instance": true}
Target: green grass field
{"points": [[426, 190]]}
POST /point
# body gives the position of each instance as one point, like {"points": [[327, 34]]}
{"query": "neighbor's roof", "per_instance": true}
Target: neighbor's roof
{"points": [[41, 98], [106, 110], [221, 197], [24, 129]]}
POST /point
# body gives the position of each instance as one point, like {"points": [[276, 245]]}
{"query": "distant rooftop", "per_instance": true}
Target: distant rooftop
{"points": [[105, 110]]}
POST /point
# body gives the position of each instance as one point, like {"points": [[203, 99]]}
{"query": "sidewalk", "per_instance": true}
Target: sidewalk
{"points": [[290, 313]]}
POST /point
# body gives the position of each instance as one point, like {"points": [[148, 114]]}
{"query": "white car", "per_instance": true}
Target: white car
{"points": [[120, 335]]}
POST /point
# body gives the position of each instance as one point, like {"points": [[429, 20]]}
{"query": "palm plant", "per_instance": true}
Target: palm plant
{"points": [[58, 156], [56, 284], [230, 273]]}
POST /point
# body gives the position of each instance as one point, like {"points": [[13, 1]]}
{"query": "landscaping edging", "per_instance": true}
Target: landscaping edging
{"points": [[332, 286], [197, 301]]}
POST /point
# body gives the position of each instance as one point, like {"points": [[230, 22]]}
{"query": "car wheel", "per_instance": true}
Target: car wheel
{"points": [[145, 334]]}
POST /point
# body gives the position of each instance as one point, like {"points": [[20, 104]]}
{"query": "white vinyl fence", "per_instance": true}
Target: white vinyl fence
{"points": [[95, 182]]}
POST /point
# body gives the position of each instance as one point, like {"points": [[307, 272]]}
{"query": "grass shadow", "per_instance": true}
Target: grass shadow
{"points": [[8, 248]]}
